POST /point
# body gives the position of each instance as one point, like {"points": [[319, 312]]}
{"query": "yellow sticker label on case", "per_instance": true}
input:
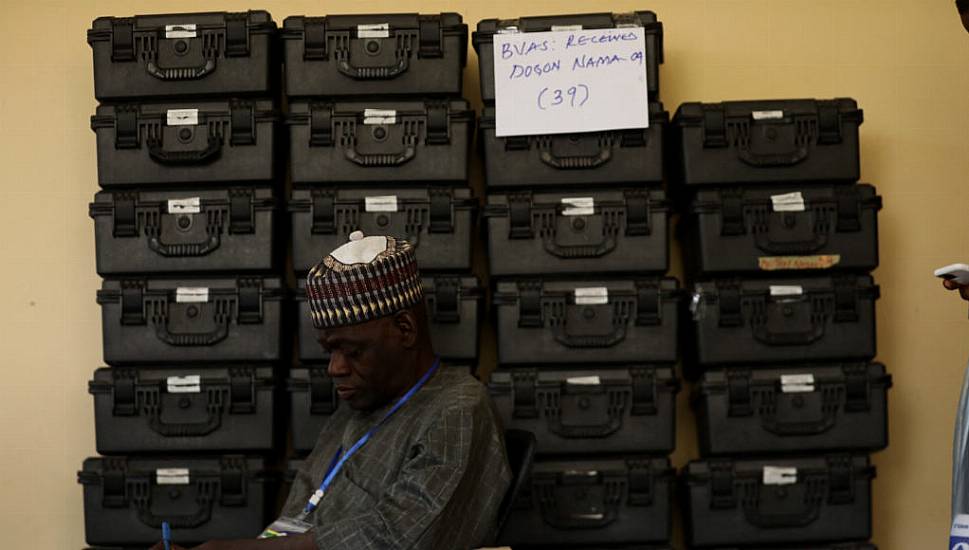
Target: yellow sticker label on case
{"points": [[781, 263]]}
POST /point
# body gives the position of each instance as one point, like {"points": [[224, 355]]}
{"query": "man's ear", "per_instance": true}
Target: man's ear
{"points": [[406, 324]]}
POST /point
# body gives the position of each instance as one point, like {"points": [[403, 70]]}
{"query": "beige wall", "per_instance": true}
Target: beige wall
{"points": [[906, 62]]}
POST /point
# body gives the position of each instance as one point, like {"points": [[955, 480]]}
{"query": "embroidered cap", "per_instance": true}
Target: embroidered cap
{"points": [[365, 279]]}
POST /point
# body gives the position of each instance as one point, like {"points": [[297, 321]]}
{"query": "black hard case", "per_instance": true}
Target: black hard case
{"points": [[727, 503], [226, 497], [144, 323], [233, 142], [483, 40], [538, 322], [421, 55], [225, 54], [740, 322], [624, 410], [429, 141], [139, 410], [593, 501], [454, 315], [767, 141], [536, 233], [761, 411], [438, 221], [610, 158], [136, 232], [734, 231], [313, 400]]}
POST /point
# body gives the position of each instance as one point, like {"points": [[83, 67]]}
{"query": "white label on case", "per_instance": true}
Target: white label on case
{"points": [[788, 202], [188, 295], [172, 476], [556, 28], [186, 30], [191, 205], [184, 384], [379, 116], [578, 206], [379, 30], [767, 115], [592, 296], [183, 117], [786, 290], [584, 381], [797, 383], [776, 475], [386, 203]]}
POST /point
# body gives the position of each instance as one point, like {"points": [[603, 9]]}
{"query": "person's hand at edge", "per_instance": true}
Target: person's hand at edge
{"points": [[963, 289]]}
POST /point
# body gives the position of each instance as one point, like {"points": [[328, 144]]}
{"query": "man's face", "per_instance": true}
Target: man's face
{"points": [[364, 362]]}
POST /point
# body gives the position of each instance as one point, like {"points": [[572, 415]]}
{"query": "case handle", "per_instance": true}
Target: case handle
{"points": [[178, 73], [764, 242], [561, 513], [607, 245], [373, 73], [557, 425], [764, 334], [562, 335], [756, 514], [187, 521], [576, 162], [381, 159], [160, 155], [800, 427], [188, 429], [163, 333], [183, 250], [766, 160]]}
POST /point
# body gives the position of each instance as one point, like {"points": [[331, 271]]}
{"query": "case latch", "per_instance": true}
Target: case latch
{"points": [[242, 129], [122, 40], [637, 213], [640, 483], [236, 35], [321, 125], [732, 213], [324, 213], [125, 221], [520, 216], [125, 392], [648, 299], [241, 211], [314, 38], [714, 126], [437, 124], [523, 388], [232, 485], [430, 37], [250, 301], [849, 210], [114, 483], [242, 391], [857, 388], [132, 302], [845, 300], [126, 127], [322, 392], [644, 391], [840, 480], [739, 402], [530, 304], [721, 484], [729, 304], [829, 123], [445, 300], [442, 213]]}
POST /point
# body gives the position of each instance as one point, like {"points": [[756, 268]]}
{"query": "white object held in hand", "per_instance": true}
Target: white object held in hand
{"points": [[957, 273]]}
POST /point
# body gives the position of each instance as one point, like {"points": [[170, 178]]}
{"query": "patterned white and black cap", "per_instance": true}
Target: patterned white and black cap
{"points": [[365, 279]]}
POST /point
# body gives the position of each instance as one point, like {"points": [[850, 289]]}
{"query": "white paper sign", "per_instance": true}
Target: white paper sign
{"points": [[182, 117], [191, 205], [788, 202], [191, 294], [184, 384], [172, 476], [786, 290], [776, 475], [797, 383], [578, 206], [592, 296], [382, 203], [570, 81]]}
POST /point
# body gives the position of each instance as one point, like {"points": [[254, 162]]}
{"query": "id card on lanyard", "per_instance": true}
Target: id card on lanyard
{"points": [[285, 526]]}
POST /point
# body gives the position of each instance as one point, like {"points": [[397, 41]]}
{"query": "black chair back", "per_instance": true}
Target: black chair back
{"points": [[520, 446]]}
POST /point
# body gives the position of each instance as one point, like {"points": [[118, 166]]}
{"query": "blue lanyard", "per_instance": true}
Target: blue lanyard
{"points": [[340, 458]]}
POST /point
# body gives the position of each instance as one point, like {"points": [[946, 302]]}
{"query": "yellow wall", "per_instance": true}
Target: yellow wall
{"points": [[906, 62]]}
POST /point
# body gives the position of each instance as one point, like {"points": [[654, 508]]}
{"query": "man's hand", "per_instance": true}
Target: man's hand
{"points": [[952, 285]]}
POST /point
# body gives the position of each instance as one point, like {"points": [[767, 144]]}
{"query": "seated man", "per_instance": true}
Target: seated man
{"points": [[415, 458]]}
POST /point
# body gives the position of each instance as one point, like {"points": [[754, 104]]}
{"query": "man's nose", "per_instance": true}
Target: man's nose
{"points": [[338, 367]]}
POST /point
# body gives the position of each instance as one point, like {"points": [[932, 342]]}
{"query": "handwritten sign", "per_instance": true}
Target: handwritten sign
{"points": [[570, 81]]}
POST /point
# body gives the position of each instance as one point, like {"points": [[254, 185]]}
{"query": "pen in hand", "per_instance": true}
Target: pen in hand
{"points": [[167, 535]]}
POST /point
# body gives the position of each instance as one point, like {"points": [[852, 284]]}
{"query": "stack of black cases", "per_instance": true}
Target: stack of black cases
{"points": [[778, 242], [379, 142], [586, 321], [192, 300]]}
